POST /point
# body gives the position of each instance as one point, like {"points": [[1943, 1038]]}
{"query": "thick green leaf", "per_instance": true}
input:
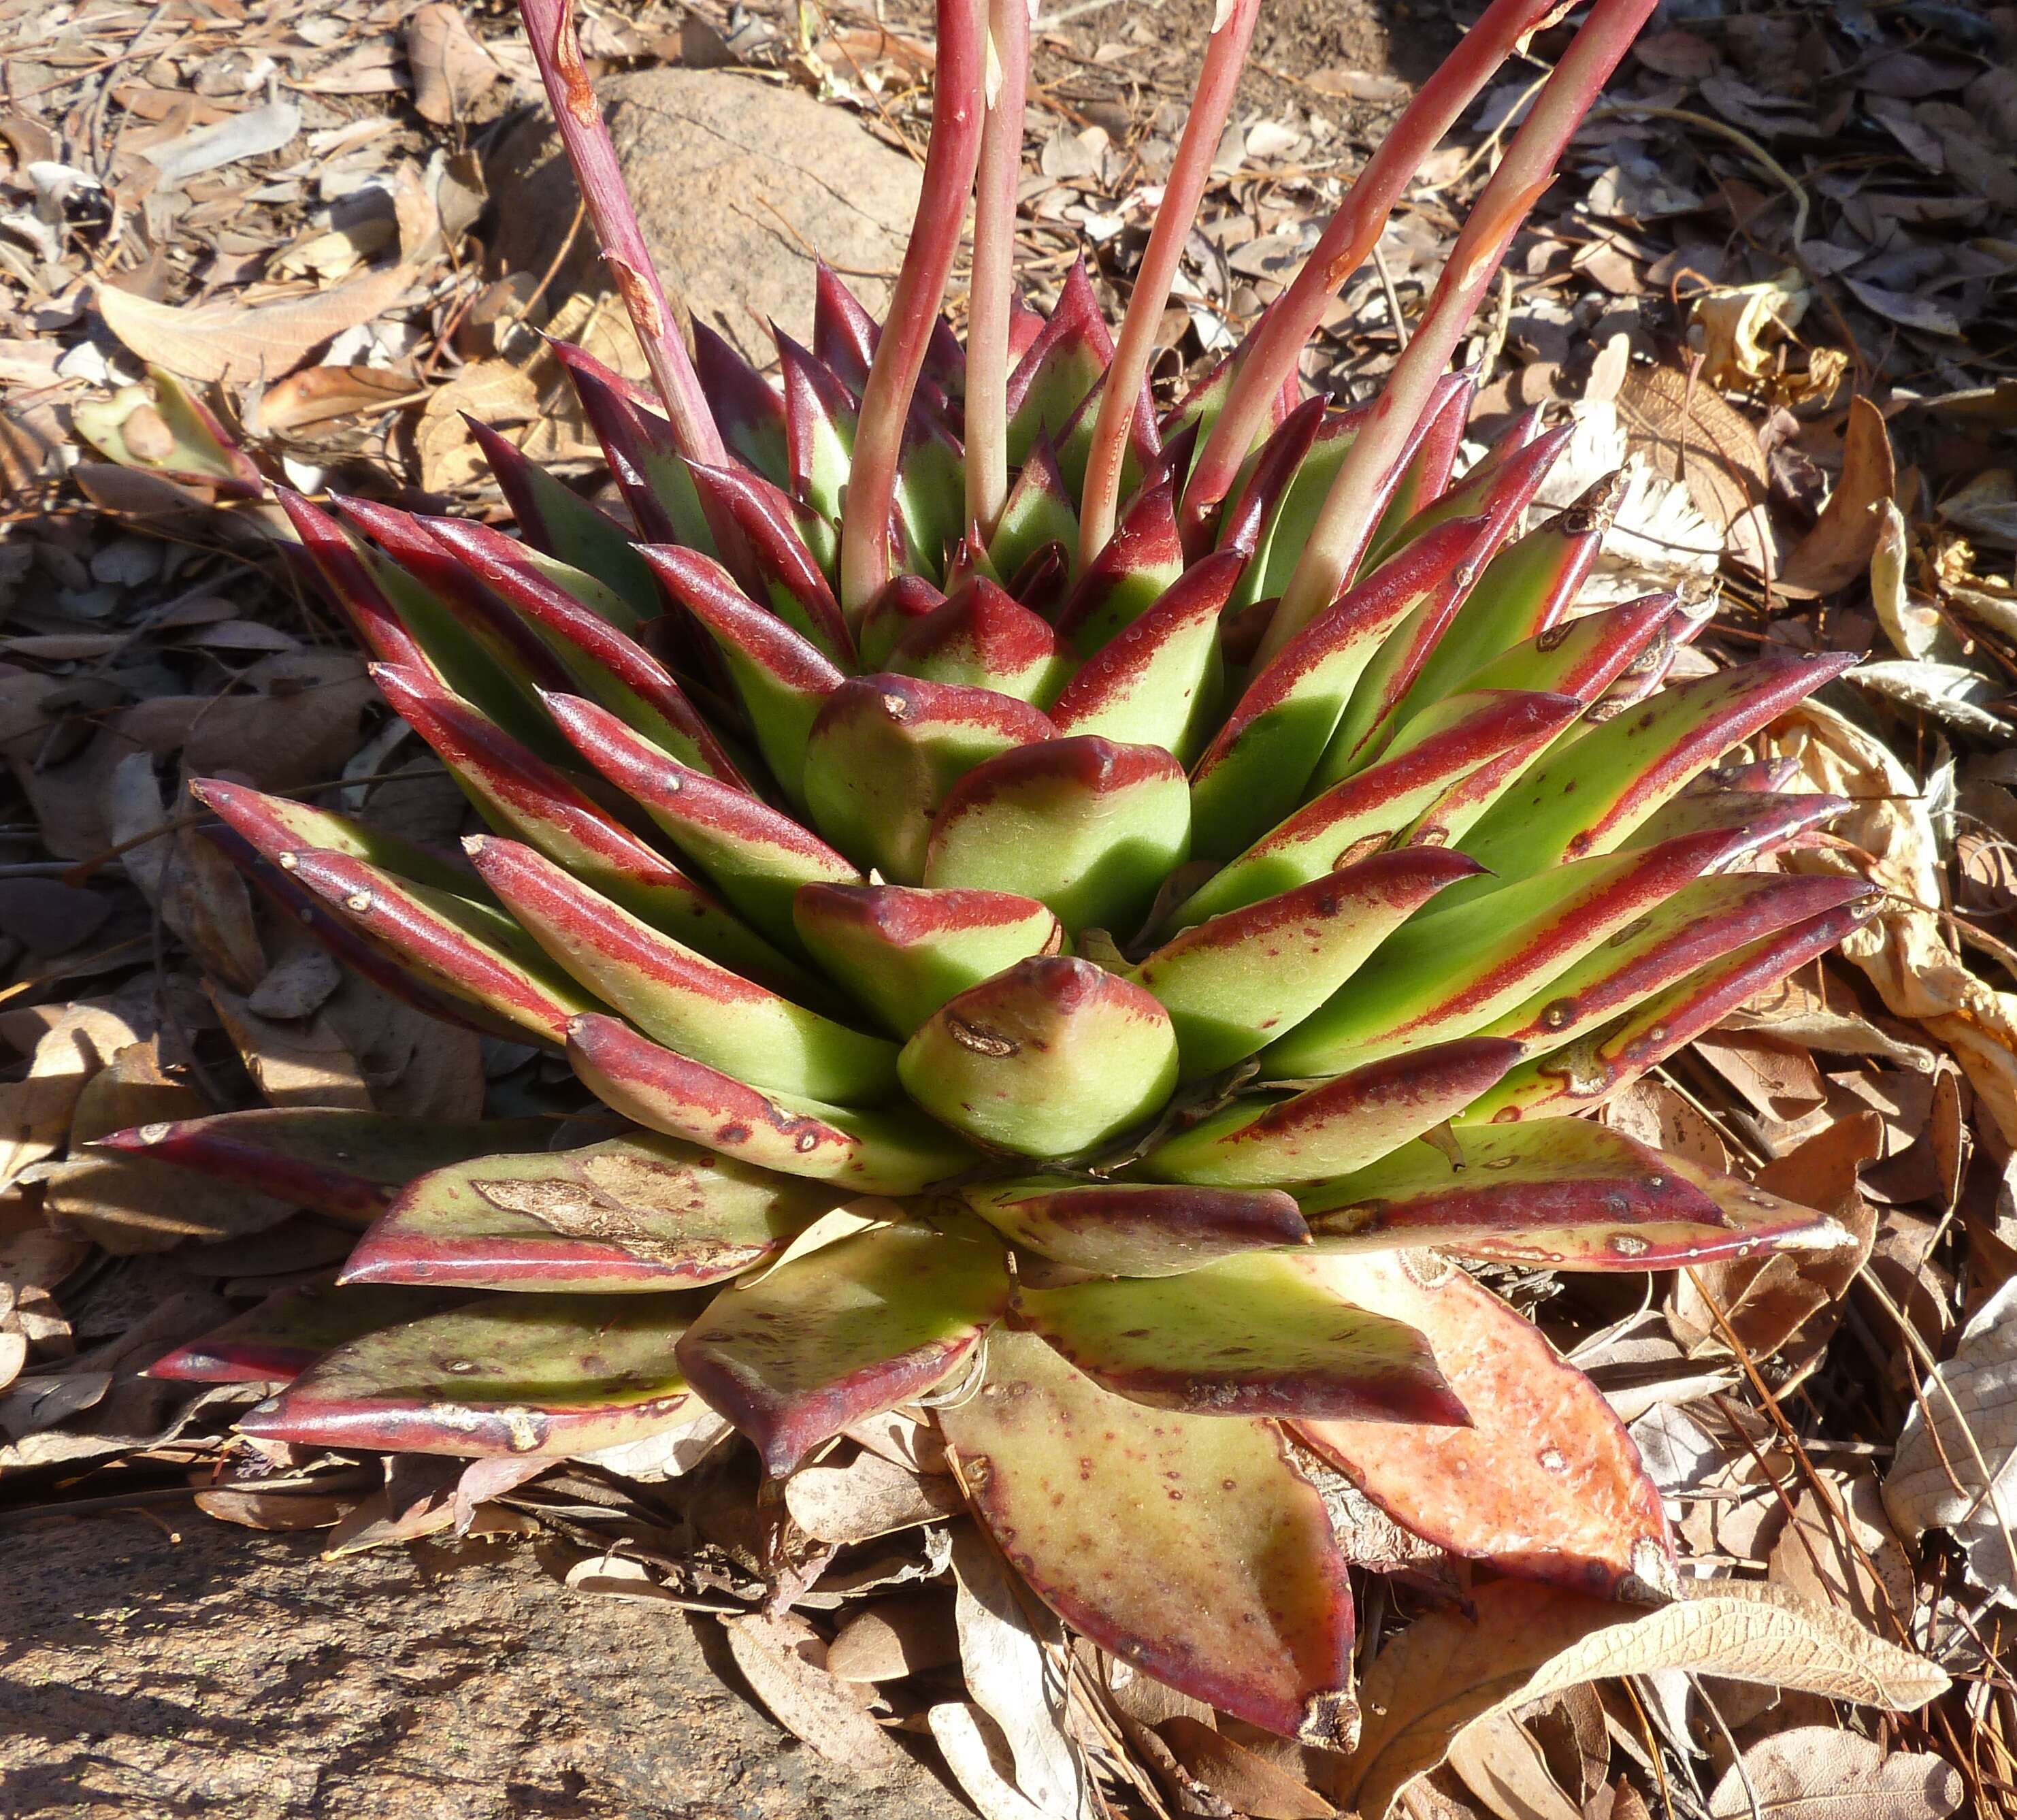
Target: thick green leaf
{"points": [[344, 1164], [1051, 1057], [1451, 973], [1587, 796], [903, 952], [522, 794], [1340, 1126], [844, 1332], [1188, 1546], [887, 750], [1560, 1174], [1588, 1069], [468, 950], [1365, 812], [507, 1374], [1259, 1335], [1091, 827], [681, 998], [630, 1214], [980, 637], [1254, 772], [755, 856], [279, 1340], [1135, 1229], [781, 678], [897, 1151], [1156, 681], [1234, 984]]}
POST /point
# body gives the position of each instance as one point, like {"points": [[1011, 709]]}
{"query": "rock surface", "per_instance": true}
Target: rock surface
{"points": [[152, 1676], [736, 182]]}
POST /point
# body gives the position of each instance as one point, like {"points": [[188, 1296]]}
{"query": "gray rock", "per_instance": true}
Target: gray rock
{"points": [[736, 183], [214, 1670]]}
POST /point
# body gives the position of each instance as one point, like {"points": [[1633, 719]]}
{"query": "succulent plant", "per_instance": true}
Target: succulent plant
{"points": [[1077, 917]]}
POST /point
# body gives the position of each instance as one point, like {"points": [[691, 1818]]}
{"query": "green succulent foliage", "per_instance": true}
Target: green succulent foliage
{"points": [[1008, 989]]}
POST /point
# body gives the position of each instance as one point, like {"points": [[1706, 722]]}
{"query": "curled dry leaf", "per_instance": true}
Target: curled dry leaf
{"points": [[1011, 1658], [1956, 1466], [973, 1752], [1821, 1772], [1838, 549], [906, 1634], [1765, 1300], [240, 342], [1903, 949], [1450, 1669], [1687, 433], [1501, 1763], [493, 390]]}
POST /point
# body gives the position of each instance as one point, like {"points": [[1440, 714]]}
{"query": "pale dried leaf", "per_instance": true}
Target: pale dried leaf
{"points": [[451, 68], [867, 1497], [223, 340], [809, 1703], [1904, 949], [1018, 1681], [1821, 1772], [1450, 1669], [979, 1762], [1938, 1478]]}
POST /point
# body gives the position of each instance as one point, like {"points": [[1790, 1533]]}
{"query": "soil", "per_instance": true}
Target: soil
{"points": [[151, 1673]]}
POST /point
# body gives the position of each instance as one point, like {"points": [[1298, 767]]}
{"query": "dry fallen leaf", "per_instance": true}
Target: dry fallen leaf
{"points": [[1687, 433], [1903, 949], [1839, 547], [1450, 1669], [1965, 1420], [1820, 1772], [451, 68], [494, 391], [1016, 1679], [804, 1698], [867, 1497], [238, 342]]}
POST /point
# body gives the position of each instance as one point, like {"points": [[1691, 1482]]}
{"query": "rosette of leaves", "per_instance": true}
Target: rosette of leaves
{"points": [[1082, 916]]}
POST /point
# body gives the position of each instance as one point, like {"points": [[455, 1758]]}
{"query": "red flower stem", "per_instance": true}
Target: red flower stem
{"points": [[958, 104], [1225, 56], [1358, 492], [1268, 359], [992, 291], [557, 50]]}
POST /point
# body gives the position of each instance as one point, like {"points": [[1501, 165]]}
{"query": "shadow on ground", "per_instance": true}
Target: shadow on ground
{"points": [[211, 1670]]}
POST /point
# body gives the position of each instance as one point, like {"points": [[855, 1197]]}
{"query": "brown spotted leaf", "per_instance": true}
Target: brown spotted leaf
{"points": [[1546, 1484], [633, 1213], [1186, 1545], [826, 1339], [506, 1374]]}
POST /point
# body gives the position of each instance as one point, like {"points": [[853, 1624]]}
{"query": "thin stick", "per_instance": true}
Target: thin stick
{"points": [[991, 292], [1277, 342], [958, 103], [1359, 491], [1232, 31], [557, 50]]}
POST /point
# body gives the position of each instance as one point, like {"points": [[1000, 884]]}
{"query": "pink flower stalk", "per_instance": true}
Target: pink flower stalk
{"points": [[557, 50], [1268, 358], [1359, 491], [1184, 189], [993, 289], [958, 106]]}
